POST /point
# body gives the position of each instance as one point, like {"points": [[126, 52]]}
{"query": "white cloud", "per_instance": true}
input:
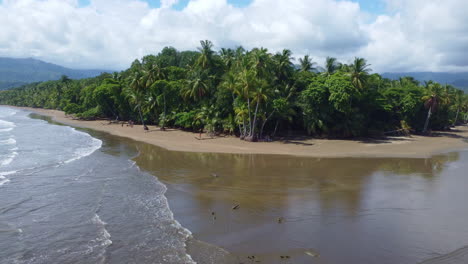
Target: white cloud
{"points": [[168, 3], [420, 35]]}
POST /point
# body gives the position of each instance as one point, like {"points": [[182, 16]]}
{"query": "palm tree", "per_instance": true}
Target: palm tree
{"points": [[307, 64], [206, 54], [136, 93], [359, 71], [230, 83], [259, 95], [157, 98], [432, 101], [284, 65], [458, 104], [331, 66], [246, 82], [259, 62], [227, 56], [196, 87]]}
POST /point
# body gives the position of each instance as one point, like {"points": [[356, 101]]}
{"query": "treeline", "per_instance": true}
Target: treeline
{"points": [[253, 94]]}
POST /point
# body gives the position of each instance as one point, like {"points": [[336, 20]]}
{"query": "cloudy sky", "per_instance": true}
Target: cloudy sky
{"points": [[394, 35]]}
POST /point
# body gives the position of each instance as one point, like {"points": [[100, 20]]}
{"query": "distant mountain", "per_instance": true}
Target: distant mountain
{"points": [[17, 72], [459, 80]]}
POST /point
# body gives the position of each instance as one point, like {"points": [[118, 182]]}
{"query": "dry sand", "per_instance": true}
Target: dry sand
{"points": [[177, 140]]}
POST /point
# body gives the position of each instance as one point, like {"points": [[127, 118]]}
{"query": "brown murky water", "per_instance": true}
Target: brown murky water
{"points": [[309, 210]]}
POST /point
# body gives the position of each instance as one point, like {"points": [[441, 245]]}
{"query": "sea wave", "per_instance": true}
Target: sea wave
{"points": [[7, 112], [86, 151], [6, 129], [182, 230], [6, 173], [104, 235], [6, 124], [102, 241], [4, 179], [8, 159], [10, 141]]}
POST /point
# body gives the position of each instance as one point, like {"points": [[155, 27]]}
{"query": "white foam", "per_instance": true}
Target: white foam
{"points": [[6, 173], [9, 159], [102, 240], [9, 141], [7, 112], [6, 124], [182, 230], [104, 236], [86, 151], [3, 181], [6, 129]]}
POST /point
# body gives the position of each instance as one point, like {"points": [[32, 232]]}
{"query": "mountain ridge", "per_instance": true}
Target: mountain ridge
{"points": [[457, 79], [15, 72]]}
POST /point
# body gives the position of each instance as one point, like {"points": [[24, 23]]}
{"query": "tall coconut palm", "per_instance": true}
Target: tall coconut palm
{"points": [[157, 99], [432, 101], [197, 86], [246, 82], [306, 64], [331, 66], [284, 66], [259, 95], [458, 104], [359, 71], [206, 54], [260, 62], [227, 56], [137, 93], [230, 83]]}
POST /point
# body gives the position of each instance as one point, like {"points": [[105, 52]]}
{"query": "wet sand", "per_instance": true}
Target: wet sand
{"points": [[317, 210], [291, 209], [177, 140]]}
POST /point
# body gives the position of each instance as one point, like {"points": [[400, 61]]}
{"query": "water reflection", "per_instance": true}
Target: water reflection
{"points": [[326, 204], [270, 179]]}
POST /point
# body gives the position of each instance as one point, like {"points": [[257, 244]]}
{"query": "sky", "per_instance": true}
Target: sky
{"points": [[393, 35]]}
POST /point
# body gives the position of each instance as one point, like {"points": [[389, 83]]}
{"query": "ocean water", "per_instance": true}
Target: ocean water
{"points": [[68, 197]]}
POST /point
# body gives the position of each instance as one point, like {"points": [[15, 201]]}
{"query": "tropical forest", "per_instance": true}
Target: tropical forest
{"points": [[253, 94]]}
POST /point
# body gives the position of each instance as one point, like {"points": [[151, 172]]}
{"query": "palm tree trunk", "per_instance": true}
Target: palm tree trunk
{"points": [[252, 131], [250, 116], [276, 127], [240, 129], [141, 116], [456, 116], [427, 120], [264, 122], [244, 133], [164, 121]]}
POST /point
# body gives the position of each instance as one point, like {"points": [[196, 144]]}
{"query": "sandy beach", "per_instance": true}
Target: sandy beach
{"points": [[177, 140]]}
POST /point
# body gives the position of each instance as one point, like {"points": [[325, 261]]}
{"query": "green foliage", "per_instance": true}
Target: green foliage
{"points": [[72, 108], [251, 93], [90, 114]]}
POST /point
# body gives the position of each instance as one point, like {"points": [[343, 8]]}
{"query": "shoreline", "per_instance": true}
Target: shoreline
{"points": [[193, 195], [176, 140]]}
